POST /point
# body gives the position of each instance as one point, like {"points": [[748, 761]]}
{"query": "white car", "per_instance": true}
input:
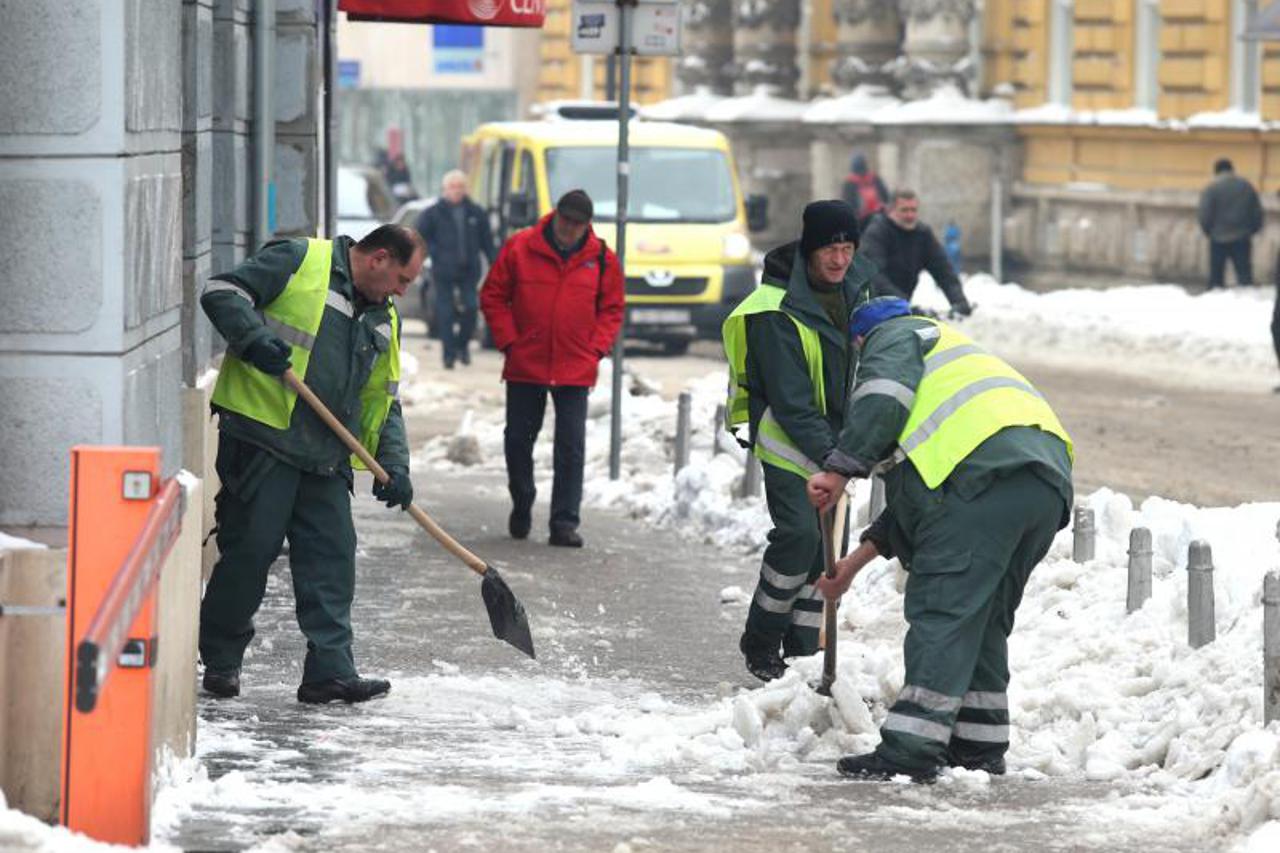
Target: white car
{"points": [[363, 201]]}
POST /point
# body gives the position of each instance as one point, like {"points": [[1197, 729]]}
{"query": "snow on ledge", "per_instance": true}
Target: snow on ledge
{"points": [[695, 105], [857, 106], [17, 543], [1232, 118], [760, 105], [948, 105]]}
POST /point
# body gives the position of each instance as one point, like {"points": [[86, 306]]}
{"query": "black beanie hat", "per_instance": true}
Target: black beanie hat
{"points": [[576, 205], [827, 222]]}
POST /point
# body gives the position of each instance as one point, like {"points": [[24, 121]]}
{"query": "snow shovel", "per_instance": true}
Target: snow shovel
{"points": [[832, 523], [506, 613]]}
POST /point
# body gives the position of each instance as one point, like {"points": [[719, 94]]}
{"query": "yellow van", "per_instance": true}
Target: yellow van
{"points": [[688, 255]]}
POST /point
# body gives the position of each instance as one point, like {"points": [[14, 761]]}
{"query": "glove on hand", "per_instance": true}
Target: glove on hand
{"points": [[270, 355], [961, 309], [397, 491]]}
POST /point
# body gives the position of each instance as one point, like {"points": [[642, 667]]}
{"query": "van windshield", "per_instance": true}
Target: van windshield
{"points": [[667, 184]]}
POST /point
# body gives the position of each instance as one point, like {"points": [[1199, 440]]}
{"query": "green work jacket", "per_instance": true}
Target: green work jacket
{"points": [[777, 372], [342, 358]]}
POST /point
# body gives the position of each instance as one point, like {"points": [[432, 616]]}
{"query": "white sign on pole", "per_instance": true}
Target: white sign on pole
{"points": [[655, 27]]}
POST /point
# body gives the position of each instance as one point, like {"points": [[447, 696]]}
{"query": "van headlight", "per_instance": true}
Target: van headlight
{"points": [[736, 247]]}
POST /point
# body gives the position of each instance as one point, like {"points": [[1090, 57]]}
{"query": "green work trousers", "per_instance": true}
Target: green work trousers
{"points": [[970, 564], [786, 610], [262, 501]]}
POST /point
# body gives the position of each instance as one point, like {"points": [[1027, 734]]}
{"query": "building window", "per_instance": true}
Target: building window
{"points": [[1146, 54], [1061, 50], [1246, 58]]}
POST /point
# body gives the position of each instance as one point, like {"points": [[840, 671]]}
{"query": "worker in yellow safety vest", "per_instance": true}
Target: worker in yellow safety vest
{"points": [[977, 471], [790, 365], [324, 308]]}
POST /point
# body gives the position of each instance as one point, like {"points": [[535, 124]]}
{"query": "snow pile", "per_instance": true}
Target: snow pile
{"points": [[17, 543], [22, 833]]}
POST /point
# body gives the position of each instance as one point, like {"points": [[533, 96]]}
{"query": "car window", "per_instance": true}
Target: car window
{"points": [[353, 195]]}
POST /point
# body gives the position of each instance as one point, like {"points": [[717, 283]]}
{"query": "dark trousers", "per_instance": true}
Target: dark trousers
{"points": [[526, 405], [1275, 315], [261, 502], [455, 315], [1240, 252]]}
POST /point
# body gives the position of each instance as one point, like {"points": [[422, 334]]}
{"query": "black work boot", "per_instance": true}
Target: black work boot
{"points": [[993, 764], [565, 537], [763, 661], [224, 685], [871, 767], [348, 690], [519, 523]]}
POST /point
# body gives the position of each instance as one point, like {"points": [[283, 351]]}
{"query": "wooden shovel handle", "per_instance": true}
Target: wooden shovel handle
{"points": [[353, 444]]}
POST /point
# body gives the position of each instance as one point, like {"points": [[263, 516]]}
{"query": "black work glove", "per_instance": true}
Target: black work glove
{"points": [[397, 491], [270, 355], [961, 309], [922, 311]]}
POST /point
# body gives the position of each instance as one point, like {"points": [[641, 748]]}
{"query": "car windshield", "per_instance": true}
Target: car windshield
{"points": [[667, 184], [353, 195]]}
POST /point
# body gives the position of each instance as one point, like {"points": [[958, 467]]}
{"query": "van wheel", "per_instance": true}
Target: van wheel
{"points": [[676, 347]]}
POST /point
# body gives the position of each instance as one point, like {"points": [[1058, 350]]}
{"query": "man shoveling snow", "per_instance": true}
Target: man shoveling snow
{"points": [[978, 482]]}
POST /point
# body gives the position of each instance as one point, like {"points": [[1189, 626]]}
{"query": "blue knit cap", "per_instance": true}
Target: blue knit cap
{"points": [[871, 314]]}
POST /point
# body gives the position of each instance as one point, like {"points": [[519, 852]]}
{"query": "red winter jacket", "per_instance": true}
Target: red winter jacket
{"points": [[554, 319]]}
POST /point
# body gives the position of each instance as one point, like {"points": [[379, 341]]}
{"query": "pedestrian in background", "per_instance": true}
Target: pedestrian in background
{"points": [[977, 483], [553, 301], [457, 233], [790, 361], [863, 190], [1230, 214], [1275, 319], [324, 308], [901, 247]]}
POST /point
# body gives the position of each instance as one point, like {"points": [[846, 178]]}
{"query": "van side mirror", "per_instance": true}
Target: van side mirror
{"points": [[521, 210], [757, 213]]}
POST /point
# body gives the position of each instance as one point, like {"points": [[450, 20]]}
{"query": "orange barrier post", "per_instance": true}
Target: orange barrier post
{"points": [[124, 521]]}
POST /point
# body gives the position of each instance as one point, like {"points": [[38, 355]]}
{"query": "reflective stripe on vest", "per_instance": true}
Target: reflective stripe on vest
{"points": [[772, 444], [295, 317], [945, 425]]}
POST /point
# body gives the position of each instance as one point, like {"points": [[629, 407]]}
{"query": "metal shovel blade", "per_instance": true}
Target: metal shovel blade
{"points": [[506, 613]]}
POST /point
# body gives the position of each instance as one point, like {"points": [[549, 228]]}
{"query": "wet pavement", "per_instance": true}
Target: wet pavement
{"points": [[479, 748]]}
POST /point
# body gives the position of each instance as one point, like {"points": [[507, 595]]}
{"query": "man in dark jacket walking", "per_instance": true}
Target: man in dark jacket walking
{"points": [[900, 246], [554, 301], [863, 190], [791, 364], [1230, 214], [322, 307], [978, 483], [457, 233]]}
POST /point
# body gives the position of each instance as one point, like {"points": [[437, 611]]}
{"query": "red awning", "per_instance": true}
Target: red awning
{"points": [[488, 13]]}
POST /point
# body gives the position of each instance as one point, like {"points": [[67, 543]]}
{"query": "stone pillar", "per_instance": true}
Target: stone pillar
{"points": [[936, 46], [299, 172], [197, 184], [764, 46], [868, 37], [91, 189], [708, 46], [232, 109]]}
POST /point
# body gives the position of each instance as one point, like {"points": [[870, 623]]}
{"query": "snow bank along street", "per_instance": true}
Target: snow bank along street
{"points": [[638, 728]]}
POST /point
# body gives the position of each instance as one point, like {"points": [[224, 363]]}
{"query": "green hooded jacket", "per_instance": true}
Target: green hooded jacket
{"points": [[777, 375]]}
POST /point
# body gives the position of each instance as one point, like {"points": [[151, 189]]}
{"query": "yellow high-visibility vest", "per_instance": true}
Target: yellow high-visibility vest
{"points": [[294, 317], [772, 445], [966, 396]]}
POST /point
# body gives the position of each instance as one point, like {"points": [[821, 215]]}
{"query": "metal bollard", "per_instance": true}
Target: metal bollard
{"points": [[752, 477], [1139, 569], [716, 429], [1200, 625], [876, 502], [1084, 535], [682, 430], [1271, 647]]}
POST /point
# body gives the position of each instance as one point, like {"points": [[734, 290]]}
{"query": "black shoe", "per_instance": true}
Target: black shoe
{"points": [[448, 364], [345, 689], [564, 537], [518, 524], [465, 356], [224, 685], [762, 661], [991, 764], [872, 768]]}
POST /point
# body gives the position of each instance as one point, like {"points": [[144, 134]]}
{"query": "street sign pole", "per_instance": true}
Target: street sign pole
{"points": [[626, 9]]}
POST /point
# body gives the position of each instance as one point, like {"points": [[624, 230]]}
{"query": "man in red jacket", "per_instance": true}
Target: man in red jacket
{"points": [[553, 301]]}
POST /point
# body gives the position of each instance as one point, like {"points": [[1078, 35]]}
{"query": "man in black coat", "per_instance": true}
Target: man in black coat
{"points": [[900, 246], [457, 233], [1230, 214]]}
